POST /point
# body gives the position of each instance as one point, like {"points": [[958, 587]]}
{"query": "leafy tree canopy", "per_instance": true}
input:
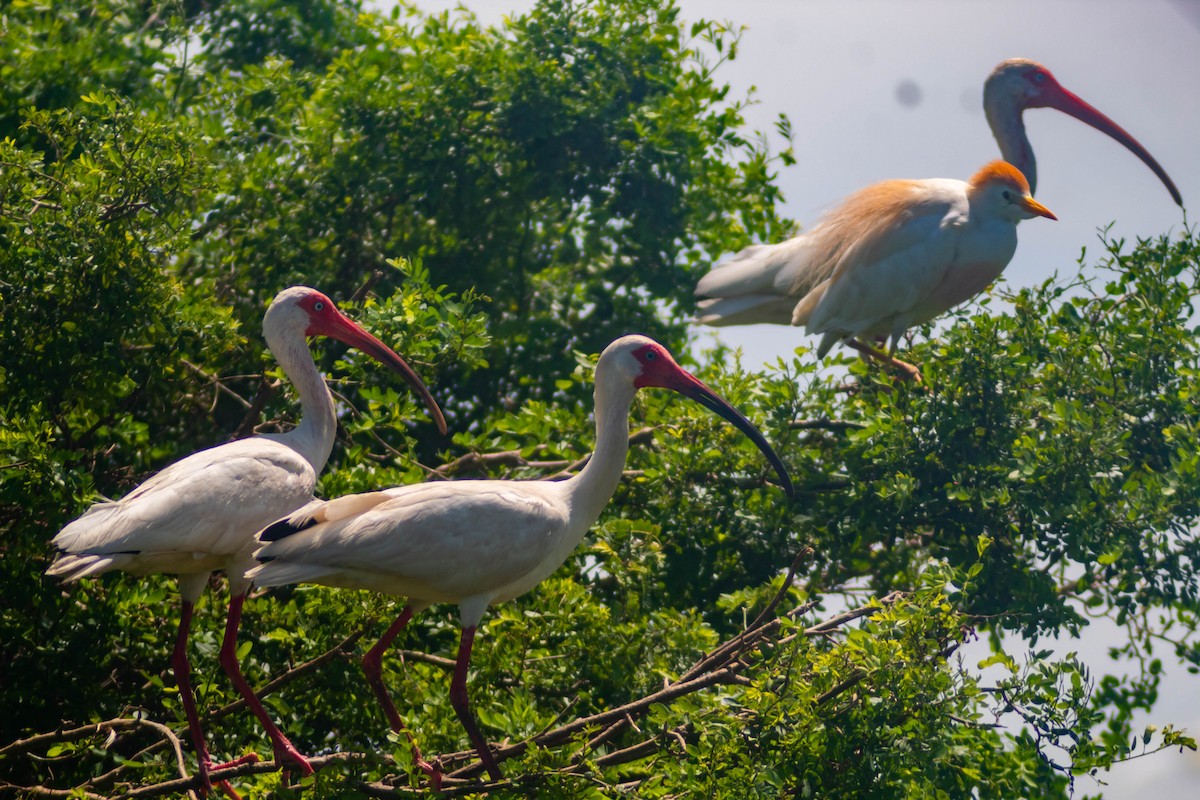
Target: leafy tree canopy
{"points": [[498, 204]]}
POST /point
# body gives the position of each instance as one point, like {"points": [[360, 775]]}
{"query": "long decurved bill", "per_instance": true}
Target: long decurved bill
{"points": [[1075, 106], [690, 386], [346, 331]]}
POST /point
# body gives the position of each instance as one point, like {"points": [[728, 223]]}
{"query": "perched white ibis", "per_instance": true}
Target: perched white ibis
{"points": [[774, 283], [475, 543], [1018, 84], [897, 254], [201, 514]]}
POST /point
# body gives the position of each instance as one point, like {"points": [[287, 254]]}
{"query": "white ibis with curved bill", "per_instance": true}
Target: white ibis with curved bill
{"points": [[201, 513], [1019, 83], [476, 543], [898, 254], [766, 283]]}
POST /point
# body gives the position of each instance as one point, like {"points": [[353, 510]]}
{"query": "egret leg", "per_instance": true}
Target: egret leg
{"points": [[911, 372], [373, 668], [458, 699], [285, 752]]}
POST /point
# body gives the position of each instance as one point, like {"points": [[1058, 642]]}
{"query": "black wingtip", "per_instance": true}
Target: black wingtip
{"points": [[281, 529]]}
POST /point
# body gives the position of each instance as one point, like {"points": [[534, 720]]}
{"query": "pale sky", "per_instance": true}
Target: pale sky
{"points": [[836, 68]]}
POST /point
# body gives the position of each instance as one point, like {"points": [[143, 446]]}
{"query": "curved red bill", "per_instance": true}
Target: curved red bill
{"points": [[345, 330], [1071, 104]]}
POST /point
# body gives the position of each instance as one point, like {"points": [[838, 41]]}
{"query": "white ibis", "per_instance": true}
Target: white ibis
{"points": [[897, 254], [1018, 84], [201, 514], [475, 543], [769, 283]]}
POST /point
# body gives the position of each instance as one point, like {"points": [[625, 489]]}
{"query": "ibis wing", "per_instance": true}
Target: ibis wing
{"points": [[436, 541], [212, 502], [320, 511]]}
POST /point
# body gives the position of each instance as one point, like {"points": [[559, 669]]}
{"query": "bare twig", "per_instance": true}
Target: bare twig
{"points": [[722, 665], [259, 768], [474, 462], [254, 408], [36, 742], [341, 648], [727, 651], [179, 786], [824, 425], [116, 211], [46, 791], [169, 736], [427, 658], [217, 383], [366, 287], [40, 740]]}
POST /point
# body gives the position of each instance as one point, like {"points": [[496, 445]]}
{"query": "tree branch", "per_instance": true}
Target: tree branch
{"points": [[254, 408], [341, 648], [476, 462], [824, 425], [722, 665]]}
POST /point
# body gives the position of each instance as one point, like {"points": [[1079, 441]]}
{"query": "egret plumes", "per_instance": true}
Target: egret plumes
{"points": [[901, 252]]}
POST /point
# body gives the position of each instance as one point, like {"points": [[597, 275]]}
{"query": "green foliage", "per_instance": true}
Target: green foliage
{"points": [[576, 167], [500, 203], [52, 54]]}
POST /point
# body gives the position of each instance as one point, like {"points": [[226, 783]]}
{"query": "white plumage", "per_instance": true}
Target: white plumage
{"points": [[438, 523], [191, 517], [893, 255], [200, 514], [476, 543]]}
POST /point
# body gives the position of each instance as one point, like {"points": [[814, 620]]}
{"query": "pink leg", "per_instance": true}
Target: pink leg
{"points": [[458, 699], [183, 678], [285, 753], [229, 790], [373, 668]]}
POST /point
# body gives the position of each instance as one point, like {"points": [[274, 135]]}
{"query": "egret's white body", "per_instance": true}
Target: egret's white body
{"points": [[475, 543], [894, 255], [201, 514], [899, 253]]}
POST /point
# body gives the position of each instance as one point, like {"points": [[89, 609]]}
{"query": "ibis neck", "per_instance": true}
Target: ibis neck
{"points": [[313, 437], [1008, 127], [590, 490]]}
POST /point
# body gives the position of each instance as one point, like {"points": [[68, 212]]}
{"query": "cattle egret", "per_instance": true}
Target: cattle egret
{"points": [[895, 254], [475, 543], [201, 514], [770, 283]]}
